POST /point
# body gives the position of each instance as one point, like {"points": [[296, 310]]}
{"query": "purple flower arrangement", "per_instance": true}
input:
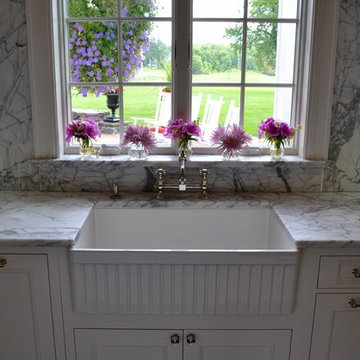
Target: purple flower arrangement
{"points": [[229, 140], [276, 132], [139, 135], [84, 131], [184, 131]]}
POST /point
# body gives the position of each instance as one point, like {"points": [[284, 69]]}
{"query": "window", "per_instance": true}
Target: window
{"points": [[187, 44]]}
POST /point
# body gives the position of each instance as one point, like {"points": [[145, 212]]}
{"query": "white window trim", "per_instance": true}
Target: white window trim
{"points": [[315, 87]]}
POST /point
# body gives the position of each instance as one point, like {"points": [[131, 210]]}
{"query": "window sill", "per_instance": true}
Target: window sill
{"points": [[195, 160]]}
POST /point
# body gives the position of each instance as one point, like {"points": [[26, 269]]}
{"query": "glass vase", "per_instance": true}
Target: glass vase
{"points": [[185, 146], [276, 151], [137, 152], [85, 152]]}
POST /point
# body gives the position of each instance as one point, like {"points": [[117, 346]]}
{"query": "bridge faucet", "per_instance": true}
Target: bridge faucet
{"points": [[182, 185]]}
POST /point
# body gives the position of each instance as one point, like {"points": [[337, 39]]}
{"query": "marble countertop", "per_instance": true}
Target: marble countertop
{"points": [[56, 219]]}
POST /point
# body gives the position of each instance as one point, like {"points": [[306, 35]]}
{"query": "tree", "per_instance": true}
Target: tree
{"points": [[93, 47], [157, 54], [213, 58], [261, 38]]}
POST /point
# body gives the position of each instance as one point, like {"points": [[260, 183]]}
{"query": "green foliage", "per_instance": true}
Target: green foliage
{"points": [[157, 54], [92, 8], [213, 58], [262, 37]]}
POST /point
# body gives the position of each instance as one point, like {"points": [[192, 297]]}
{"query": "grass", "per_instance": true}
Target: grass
{"points": [[141, 101]]}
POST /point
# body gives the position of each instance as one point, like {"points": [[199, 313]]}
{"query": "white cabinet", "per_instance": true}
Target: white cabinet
{"points": [[336, 328], [337, 323], [26, 330], [99, 344], [237, 344]]}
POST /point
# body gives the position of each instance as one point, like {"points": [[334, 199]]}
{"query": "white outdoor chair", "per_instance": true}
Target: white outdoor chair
{"points": [[162, 114], [211, 116], [233, 114], [195, 106]]}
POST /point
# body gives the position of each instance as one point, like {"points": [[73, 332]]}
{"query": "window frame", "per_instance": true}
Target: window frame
{"points": [[315, 89]]}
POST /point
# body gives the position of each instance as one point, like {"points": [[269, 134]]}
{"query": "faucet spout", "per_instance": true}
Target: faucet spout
{"points": [[182, 177]]}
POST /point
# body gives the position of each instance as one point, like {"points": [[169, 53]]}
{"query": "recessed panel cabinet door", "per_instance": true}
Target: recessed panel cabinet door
{"points": [[336, 328], [237, 344], [99, 344], [26, 330]]}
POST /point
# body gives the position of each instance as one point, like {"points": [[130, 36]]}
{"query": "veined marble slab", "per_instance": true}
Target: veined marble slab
{"points": [[55, 219]]}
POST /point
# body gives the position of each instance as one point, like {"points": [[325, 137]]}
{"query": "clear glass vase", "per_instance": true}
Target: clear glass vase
{"points": [[137, 152], [85, 151], [185, 146], [276, 151]]}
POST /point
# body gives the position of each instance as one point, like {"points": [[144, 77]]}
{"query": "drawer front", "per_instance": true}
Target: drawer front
{"points": [[339, 272]]}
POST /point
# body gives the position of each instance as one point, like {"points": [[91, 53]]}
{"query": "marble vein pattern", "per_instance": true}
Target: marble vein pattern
{"points": [[16, 140], [35, 219], [56, 219], [68, 174], [343, 172]]}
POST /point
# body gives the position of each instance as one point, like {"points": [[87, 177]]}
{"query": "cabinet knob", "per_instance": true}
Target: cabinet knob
{"points": [[175, 339], [191, 339], [3, 262], [353, 303], [356, 272]]}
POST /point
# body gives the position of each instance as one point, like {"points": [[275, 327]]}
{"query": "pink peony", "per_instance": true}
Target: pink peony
{"points": [[83, 129]]}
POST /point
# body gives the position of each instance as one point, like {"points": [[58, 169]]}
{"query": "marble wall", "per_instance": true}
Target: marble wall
{"points": [[16, 144], [342, 173]]}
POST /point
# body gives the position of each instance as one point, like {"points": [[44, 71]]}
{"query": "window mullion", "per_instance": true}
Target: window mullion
{"points": [[182, 58], [243, 65]]}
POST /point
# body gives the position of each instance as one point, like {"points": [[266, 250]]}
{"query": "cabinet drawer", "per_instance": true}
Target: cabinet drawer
{"points": [[339, 272]]}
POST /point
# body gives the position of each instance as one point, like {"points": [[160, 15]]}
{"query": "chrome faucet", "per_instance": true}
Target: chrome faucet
{"points": [[182, 177], [182, 185]]}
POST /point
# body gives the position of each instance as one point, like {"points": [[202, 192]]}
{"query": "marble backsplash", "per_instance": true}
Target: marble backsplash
{"points": [[341, 173], [69, 174]]}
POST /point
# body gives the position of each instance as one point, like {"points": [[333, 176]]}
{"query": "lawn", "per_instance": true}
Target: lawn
{"points": [[141, 101]]}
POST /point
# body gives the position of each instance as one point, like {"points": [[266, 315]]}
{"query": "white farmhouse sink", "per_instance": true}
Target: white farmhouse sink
{"points": [[183, 261], [184, 230]]}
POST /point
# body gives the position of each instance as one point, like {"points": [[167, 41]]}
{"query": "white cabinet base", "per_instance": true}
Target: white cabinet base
{"points": [[26, 330], [336, 328]]}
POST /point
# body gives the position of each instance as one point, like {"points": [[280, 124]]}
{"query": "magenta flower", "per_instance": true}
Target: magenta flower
{"points": [[276, 131], [184, 131], [82, 129], [230, 140], [139, 135]]}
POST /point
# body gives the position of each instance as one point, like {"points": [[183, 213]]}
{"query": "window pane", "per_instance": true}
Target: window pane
{"points": [[215, 59], [150, 106], [262, 103], [272, 9], [92, 8], [146, 8], [95, 106], [93, 51], [212, 9], [214, 106], [270, 53], [147, 51]]}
